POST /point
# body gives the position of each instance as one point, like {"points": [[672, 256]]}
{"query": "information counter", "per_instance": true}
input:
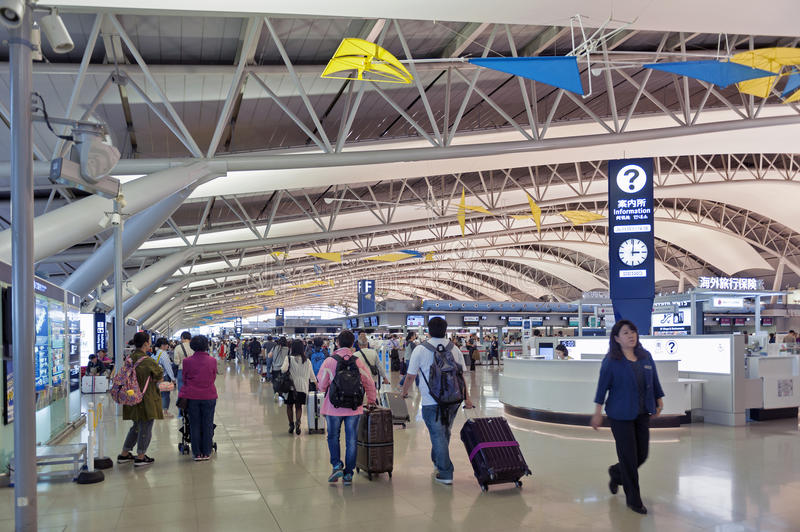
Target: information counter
{"points": [[562, 391]]}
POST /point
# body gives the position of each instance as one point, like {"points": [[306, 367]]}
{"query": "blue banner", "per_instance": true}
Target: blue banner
{"points": [[631, 244], [279, 321], [366, 296], [100, 333]]}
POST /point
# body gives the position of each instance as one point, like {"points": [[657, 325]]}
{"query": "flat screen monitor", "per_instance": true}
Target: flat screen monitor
{"points": [[573, 321], [472, 320], [766, 322], [546, 350], [725, 322], [739, 322], [415, 320], [374, 321]]}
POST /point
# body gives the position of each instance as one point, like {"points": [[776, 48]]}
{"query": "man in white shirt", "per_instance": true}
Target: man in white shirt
{"points": [[182, 350], [439, 423]]}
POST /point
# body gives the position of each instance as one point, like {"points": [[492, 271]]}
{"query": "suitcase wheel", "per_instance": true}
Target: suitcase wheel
{"points": [[484, 487], [390, 474], [404, 425], [180, 448], [369, 476], [518, 483], [215, 446]]}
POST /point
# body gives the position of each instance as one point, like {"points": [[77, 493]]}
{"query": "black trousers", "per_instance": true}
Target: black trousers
{"points": [[632, 439]]}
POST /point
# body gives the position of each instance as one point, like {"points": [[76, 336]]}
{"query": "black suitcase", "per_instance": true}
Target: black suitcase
{"points": [[375, 442], [493, 452]]}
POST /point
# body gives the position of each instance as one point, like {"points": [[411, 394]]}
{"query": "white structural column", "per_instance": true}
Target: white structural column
{"points": [[25, 496], [152, 304], [61, 228], [138, 229], [139, 281], [143, 295], [163, 311]]}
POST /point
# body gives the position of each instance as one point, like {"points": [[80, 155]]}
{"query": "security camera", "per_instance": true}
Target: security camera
{"points": [[36, 41], [56, 33], [11, 12]]}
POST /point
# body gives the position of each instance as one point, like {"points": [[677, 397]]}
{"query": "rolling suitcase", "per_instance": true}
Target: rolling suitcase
{"points": [[397, 405], [316, 421], [493, 452], [375, 442]]}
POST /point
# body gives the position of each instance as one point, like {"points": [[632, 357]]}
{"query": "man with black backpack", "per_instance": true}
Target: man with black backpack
{"points": [[443, 388], [344, 378]]}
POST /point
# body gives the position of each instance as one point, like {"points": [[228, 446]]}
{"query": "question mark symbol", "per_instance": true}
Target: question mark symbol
{"points": [[632, 174]]}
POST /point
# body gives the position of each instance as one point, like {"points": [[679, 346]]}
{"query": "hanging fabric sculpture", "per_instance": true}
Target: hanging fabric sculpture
{"points": [[769, 59], [535, 215], [581, 217], [561, 72], [791, 91], [360, 60], [720, 73]]}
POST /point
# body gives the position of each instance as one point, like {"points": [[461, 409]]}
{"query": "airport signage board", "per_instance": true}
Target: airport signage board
{"points": [[727, 302], [279, 318], [366, 296], [730, 283], [631, 213]]}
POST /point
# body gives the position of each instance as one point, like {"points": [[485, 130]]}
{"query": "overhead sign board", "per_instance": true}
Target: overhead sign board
{"points": [[366, 296], [727, 302], [730, 283], [279, 318]]}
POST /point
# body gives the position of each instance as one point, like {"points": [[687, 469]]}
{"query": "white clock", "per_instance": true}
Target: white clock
{"points": [[633, 252]]}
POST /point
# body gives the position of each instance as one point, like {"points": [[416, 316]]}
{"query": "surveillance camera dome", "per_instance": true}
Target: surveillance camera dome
{"points": [[11, 12]]}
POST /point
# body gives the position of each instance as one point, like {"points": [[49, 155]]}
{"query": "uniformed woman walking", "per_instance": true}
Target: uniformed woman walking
{"points": [[628, 375]]}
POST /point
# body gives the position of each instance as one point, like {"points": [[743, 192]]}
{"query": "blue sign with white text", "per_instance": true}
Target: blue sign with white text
{"points": [[366, 296], [100, 333], [279, 319], [631, 244]]}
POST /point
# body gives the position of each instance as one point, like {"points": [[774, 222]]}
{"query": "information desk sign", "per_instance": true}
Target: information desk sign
{"points": [[631, 242]]}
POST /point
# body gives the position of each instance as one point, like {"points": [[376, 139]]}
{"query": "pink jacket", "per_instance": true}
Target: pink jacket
{"points": [[325, 376], [199, 374]]}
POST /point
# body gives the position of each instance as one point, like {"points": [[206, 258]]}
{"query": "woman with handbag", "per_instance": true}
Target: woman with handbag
{"points": [[200, 394], [161, 356], [275, 360], [298, 373]]}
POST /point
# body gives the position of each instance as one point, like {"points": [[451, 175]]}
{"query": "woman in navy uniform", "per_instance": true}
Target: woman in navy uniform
{"points": [[628, 375]]}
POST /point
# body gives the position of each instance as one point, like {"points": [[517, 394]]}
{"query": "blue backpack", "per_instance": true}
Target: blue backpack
{"points": [[317, 358]]}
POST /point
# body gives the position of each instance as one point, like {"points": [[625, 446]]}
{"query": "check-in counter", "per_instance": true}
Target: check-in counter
{"points": [[772, 387], [562, 391]]}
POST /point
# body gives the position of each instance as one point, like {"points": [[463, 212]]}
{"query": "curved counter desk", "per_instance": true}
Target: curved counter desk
{"points": [[562, 391]]}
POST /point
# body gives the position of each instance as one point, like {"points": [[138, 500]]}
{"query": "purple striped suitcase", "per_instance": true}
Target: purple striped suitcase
{"points": [[493, 452]]}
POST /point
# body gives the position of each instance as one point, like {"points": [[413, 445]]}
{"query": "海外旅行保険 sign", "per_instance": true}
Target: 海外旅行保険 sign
{"points": [[730, 283], [631, 214]]}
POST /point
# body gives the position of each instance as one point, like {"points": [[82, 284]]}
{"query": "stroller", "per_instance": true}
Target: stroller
{"points": [[185, 445]]}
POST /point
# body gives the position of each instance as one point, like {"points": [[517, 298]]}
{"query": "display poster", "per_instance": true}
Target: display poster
{"points": [[631, 240], [237, 327], [677, 321], [42, 347], [57, 331], [366, 296], [8, 392], [279, 317], [100, 332], [73, 347]]}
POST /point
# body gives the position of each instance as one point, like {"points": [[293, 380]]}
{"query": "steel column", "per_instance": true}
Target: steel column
{"points": [[23, 333], [119, 322]]}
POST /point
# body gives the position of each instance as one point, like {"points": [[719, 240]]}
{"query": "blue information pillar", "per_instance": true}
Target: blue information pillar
{"points": [[631, 246], [366, 296]]}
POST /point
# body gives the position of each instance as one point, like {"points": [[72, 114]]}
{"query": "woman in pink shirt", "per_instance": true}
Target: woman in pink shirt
{"points": [[199, 374], [349, 416]]}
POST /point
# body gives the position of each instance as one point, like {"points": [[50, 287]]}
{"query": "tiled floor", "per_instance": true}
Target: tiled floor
{"points": [[704, 477]]}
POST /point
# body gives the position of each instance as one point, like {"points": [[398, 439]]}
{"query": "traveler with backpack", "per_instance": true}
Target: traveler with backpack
{"points": [[135, 387], [317, 355], [443, 389], [276, 357], [345, 379], [301, 373], [370, 358]]}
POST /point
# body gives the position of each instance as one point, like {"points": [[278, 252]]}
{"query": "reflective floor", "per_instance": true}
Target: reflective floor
{"points": [[703, 477]]}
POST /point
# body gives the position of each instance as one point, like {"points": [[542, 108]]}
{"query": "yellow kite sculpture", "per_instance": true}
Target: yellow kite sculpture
{"points": [[463, 208], [771, 59], [312, 284], [535, 215], [361, 60], [581, 217]]}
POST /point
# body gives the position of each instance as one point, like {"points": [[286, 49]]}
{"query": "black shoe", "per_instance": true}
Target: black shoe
{"points": [[146, 461], [122, 459], [638, 509], [297, 428], [613, 487], [291, 428]]}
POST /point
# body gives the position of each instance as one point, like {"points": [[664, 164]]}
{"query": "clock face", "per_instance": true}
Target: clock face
{"points": [[633, 252]]}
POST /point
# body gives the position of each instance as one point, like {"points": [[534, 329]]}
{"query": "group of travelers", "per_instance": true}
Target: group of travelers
{"points": [[157, 371]]}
